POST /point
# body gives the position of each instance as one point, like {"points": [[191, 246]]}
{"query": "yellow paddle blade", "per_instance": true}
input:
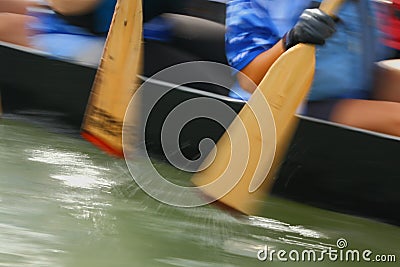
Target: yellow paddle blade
{"points": [[242, 166], [284, 87], [116, 79]]}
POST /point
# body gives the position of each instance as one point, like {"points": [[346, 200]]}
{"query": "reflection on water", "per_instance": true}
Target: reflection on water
{"points": [[282, 227], [64, 203], [73, 168]]}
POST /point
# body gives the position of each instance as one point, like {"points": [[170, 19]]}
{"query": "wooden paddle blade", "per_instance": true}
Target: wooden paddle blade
{"points": [[116, 79], [284, 87]]}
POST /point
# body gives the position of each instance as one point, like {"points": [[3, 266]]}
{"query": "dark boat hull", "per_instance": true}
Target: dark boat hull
{"points": [[344, 169], [31, 81]]}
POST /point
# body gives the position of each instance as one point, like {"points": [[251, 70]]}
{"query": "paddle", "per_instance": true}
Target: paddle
{"points": [[284, 87], [116, 78]]}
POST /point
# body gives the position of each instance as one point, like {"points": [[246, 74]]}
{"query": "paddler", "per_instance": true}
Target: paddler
{"points": [[259, 31]]}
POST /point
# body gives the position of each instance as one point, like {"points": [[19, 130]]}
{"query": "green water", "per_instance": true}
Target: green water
{"points": [[64, 203]]}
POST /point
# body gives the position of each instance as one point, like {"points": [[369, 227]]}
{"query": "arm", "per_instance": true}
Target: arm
{"points": [[260, 65], [14, 6], [313, 27], [13, 28]]}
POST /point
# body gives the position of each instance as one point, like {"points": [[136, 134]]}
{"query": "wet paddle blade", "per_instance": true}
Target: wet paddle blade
{"points": [[116, 79], [248, 155], [284, 87]]}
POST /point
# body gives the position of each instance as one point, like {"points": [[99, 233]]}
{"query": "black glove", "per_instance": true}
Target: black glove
{"points": [[313, 27]]}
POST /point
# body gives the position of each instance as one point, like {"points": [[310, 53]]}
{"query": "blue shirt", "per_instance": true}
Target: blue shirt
{"points": [[104, 14], [343, 65]]}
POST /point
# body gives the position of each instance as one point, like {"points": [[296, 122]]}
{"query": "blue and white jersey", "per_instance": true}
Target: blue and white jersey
{"points": [[344, 64]]}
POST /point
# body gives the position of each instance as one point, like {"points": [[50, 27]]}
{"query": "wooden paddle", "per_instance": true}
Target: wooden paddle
{"points": [[284, 87], [116, 79]]}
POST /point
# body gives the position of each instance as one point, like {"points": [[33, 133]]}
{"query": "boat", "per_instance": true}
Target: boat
{"points": [[328, 165]]}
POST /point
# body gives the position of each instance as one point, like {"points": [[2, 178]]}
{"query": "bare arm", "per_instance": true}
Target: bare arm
{"points": [[13, 28], [257, 68], [13, 6], [313, 27]]}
